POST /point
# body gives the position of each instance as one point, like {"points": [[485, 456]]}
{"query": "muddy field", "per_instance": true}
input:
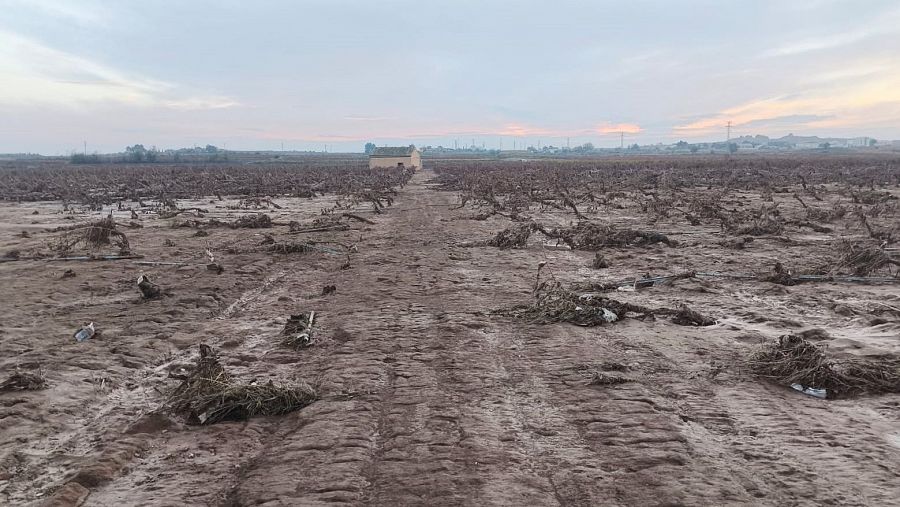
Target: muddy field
{"points": [[438, 379]]}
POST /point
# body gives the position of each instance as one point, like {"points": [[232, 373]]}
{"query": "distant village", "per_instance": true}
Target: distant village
{"points": [[739, 145], [745, 144]]}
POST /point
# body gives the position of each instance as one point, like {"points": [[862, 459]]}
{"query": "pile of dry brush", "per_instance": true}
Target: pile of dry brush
{"points": [[209, 395], [582, 236], [794, 360], [24, 381], [554, 303], [91, 236], [862, 258]]}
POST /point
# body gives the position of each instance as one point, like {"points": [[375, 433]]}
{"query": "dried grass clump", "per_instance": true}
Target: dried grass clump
{"points": [[764, 226], [593, 236], [795, 360], [599, 262], [298, 331], [255, 221], [862, 258], [209, 395], [24, 381], [288, 248], [687, 317], [149, 290], [553, 303], [826, 215], [92, 236], [515, 236], [599, 378], [737, 243], [780, 275]]}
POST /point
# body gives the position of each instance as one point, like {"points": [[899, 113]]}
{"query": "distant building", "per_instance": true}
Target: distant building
{"points": [[395, 156]]}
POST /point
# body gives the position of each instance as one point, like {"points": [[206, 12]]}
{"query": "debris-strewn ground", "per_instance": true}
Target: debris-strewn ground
{"points": [[427, 395]]}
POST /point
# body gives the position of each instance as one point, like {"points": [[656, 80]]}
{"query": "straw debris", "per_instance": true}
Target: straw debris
{"points": [[209, 395], [794, 360], [554, 303], [24, 381], [298, 330], [254, 221], [687, 317]]}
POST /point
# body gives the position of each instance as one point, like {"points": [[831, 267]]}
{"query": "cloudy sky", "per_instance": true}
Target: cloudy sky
{"points": [[310, 73]]}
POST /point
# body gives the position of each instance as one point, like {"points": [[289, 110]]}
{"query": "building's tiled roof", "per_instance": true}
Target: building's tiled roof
{"points": [[394, 151]]}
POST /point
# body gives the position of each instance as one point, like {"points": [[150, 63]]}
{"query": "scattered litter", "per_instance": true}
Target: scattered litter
{"points": [[328, 289], [85, 333], [812, 391], [69, 273]]}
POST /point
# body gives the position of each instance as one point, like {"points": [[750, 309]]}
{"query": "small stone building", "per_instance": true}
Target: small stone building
{"points": [[396, 156]]}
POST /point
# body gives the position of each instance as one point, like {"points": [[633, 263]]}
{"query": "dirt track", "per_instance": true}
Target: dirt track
{"points": [[428, 399]]}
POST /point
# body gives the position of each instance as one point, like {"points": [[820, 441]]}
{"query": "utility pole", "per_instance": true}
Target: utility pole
{"points": [[85, 148], [567, 144], [728, 138], [622, 140]]}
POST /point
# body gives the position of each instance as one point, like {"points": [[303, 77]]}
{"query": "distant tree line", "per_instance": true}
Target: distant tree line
{"points": [[139, 154]]}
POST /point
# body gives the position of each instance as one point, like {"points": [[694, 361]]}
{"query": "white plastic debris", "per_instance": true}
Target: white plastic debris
{"points": [[608, 315], [85, 333], [812, 391], [626, 288]]}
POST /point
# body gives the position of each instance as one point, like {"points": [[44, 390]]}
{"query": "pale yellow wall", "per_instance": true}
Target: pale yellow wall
{"points": [[414, 160]]}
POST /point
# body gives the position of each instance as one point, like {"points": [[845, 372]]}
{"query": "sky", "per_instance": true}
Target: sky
{"points": [[335, 74]]}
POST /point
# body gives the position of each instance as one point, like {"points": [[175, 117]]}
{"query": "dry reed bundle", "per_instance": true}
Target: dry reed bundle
{"points": [[24, 381], [255, 221], [515, 236], [862, 258], [209, 395], [553, 303], [794, 360], [298, 331]]}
